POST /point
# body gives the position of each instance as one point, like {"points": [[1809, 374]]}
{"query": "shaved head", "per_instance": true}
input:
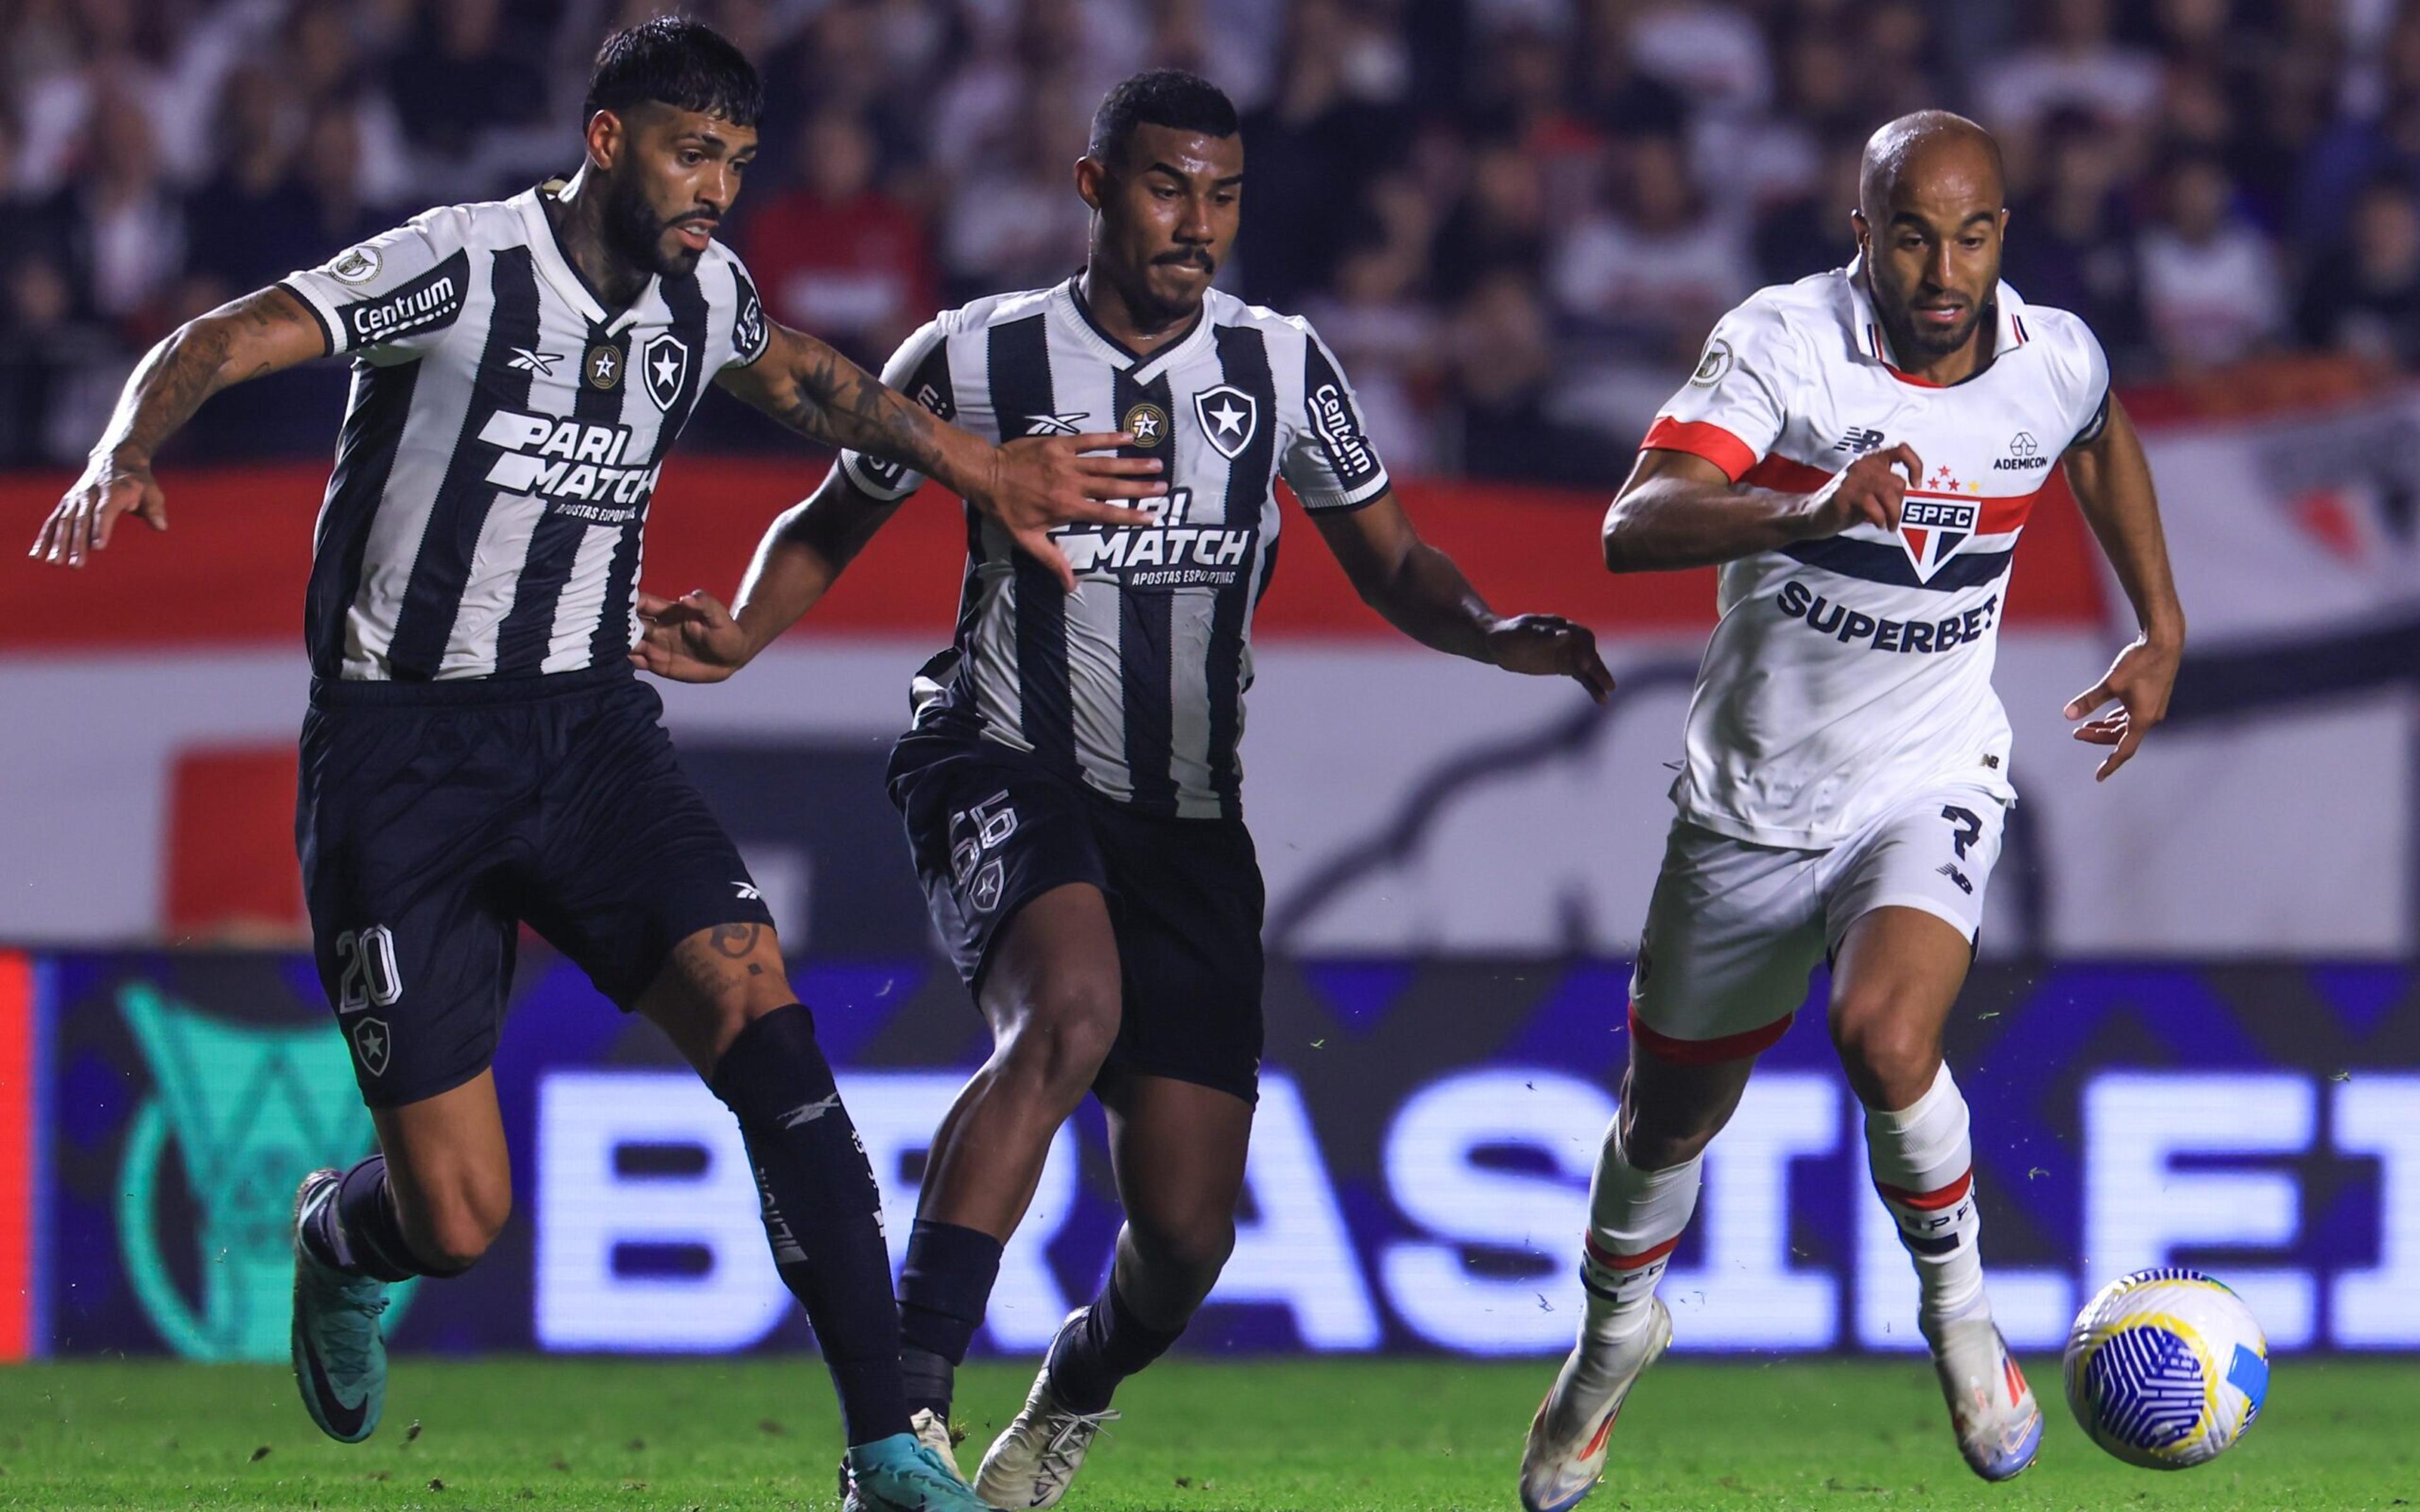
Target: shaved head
{"points": [[1932, 203], [1925, 145]]}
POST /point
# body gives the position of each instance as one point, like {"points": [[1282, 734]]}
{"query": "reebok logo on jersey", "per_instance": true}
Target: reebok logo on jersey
{"points": [[1796, 601], [567, 460], [1067, 425], [526, 360], [432, 300]]}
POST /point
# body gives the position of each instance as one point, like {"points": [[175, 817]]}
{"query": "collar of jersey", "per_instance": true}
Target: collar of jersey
{"points": [[546, 252], [1114, 351], [1874, 342]]}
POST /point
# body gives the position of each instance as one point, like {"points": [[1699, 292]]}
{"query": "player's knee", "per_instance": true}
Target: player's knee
{"points": [[1657, 1145], [1889, 1049], [1066, 1033], [1191, 1245]]}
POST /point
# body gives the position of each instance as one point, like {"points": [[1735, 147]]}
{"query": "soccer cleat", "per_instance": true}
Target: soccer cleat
{"points": [[905, 1474], [339, 1354], [1033, 1461], [933, 1432], [1999, 1424], [1565, 1455]]}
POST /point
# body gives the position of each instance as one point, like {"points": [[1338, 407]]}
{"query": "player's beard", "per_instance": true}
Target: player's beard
{"points": [[637, 234], [1910, 337]]}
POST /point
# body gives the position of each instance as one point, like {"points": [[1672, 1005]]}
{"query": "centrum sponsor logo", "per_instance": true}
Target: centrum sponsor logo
{"points": [[430, 300], [248, 1110], [1333, 417]]}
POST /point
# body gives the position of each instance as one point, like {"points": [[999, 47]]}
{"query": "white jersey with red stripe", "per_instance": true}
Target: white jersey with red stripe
{"points": [[1850, 672]]}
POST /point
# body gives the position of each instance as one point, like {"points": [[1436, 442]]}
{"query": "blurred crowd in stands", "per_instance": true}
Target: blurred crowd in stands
{"points": [[1515, 220]]}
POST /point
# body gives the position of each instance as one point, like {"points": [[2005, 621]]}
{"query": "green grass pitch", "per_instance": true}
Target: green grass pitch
{"points": [[1329, 1436]]}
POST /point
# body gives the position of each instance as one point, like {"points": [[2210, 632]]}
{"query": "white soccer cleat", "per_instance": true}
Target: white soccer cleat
{"points": [[1999, 1424], [1565, 1455], [1037, 1457], [933, 1432]]}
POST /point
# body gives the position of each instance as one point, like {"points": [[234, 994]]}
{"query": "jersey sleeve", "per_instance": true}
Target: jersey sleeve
{"points": [[2083, 370], [394, 294], [1326, 453], [921, 370], [750, 333], [1733, 406]]}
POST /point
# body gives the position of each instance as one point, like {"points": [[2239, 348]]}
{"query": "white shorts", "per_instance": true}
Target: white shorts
{"points": [[1734, 928]]}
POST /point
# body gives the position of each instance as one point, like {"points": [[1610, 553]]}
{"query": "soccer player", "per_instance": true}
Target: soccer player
{"points": [[478, 753], [1858, 451], [1071, 786]]}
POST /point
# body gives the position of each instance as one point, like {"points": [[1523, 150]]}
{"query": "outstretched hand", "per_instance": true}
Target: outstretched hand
{"points": [[80, 525], [1549, 645], [692, 638], [1041, 481], [2139, 681]]}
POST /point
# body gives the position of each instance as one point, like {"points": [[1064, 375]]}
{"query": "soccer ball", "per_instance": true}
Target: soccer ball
{"points": [[2165, 1368]]}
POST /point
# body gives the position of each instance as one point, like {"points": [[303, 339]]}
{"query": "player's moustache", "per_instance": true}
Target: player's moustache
{"points": [[1187, 257]]}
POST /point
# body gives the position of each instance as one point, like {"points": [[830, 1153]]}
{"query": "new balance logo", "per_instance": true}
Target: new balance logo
{"points": [[1947, 870], [749, 891], [527, 360], [1858, 440]]}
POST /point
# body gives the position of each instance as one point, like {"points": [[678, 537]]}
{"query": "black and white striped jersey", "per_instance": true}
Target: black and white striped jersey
{"points": [[1134, 683], [500, 444]]}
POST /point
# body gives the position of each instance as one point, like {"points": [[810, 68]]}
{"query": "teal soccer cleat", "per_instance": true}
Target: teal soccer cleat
{"points": [[339, 1355], [900, 1473]]}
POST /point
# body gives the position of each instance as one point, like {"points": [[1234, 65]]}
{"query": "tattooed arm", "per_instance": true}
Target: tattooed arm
{"points": [[1028, 485], [257, 335]]}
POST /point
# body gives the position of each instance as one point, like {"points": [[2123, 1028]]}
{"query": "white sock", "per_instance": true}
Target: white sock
{"points": [[1634, 1219], [1924, 1168]]}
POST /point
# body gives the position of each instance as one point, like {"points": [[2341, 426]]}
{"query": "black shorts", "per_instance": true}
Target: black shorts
{"points": [[992, 829], [436, 817]]}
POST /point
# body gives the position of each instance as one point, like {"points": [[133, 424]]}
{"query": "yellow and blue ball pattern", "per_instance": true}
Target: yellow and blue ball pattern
{"points": [[2165, 1368]]}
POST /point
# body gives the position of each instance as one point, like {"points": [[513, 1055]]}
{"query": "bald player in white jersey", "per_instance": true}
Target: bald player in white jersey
{"points": [[1858, 452]]}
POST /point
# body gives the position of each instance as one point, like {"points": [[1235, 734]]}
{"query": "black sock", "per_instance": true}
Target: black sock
{"points": [[822, 1213], [358, 1230], [943, 1288], [1109, 1344]]}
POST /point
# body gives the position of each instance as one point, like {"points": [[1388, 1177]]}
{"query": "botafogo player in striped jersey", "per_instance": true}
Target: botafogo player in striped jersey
{"points": [[1858, 451], [1071, 785], [479, 752]]}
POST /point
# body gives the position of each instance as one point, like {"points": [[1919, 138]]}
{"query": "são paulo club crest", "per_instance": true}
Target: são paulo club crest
{"points": [[1936, 520]]}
